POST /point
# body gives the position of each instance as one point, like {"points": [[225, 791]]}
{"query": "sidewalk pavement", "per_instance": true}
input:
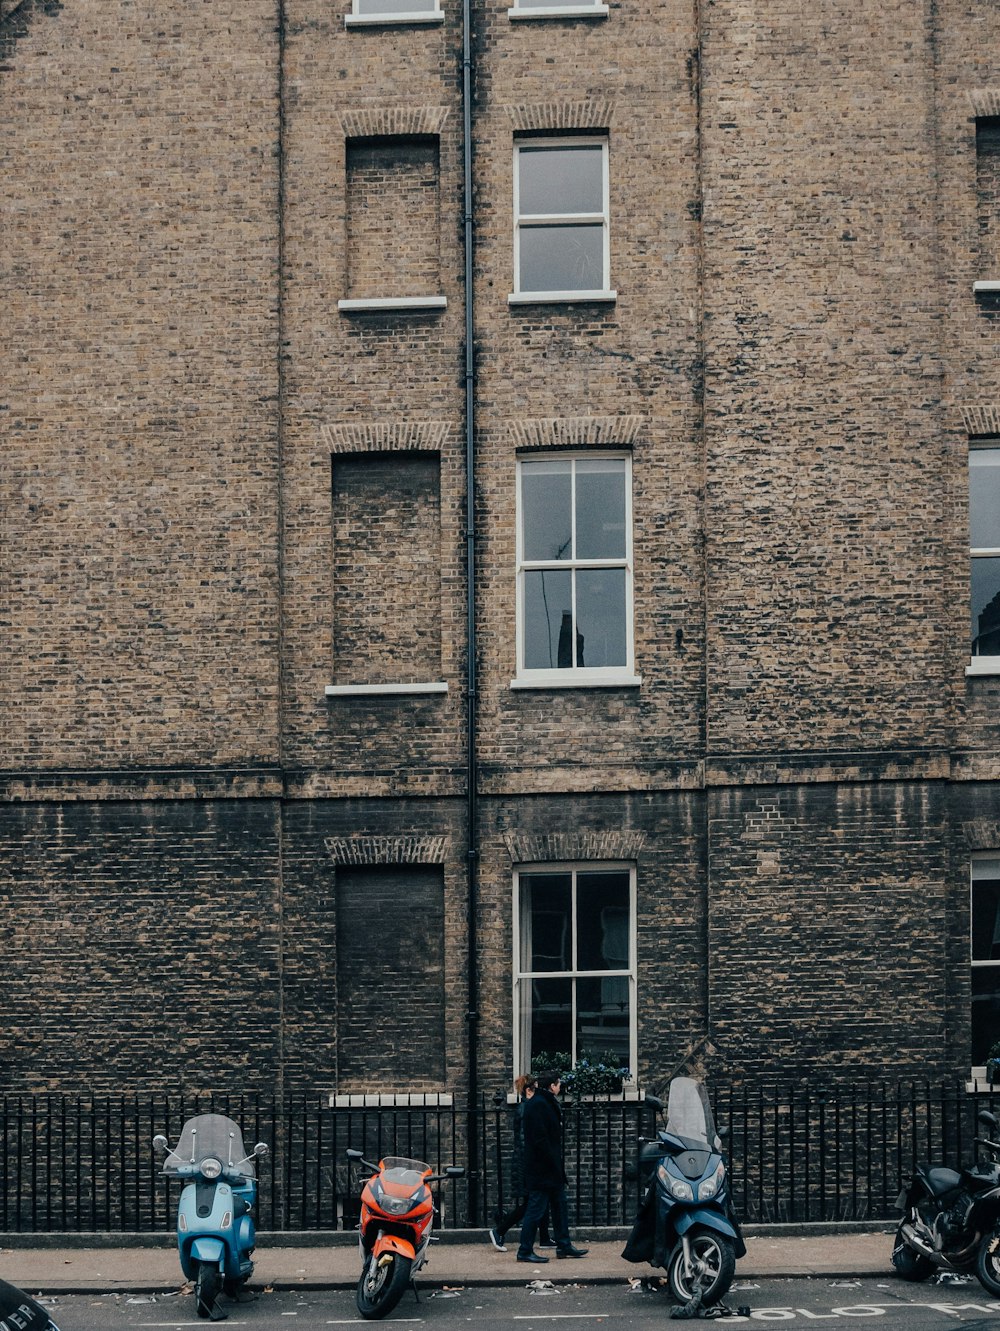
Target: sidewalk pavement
{"points": [[150, 1265]]}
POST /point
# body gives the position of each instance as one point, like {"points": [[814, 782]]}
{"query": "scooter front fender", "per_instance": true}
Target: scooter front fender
{"points": [[393, 1243], [204, 1249], [707, 1219]]}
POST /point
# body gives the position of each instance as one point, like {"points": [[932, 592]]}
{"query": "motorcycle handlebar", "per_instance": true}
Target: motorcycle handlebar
{"points": [[452, 1172]]}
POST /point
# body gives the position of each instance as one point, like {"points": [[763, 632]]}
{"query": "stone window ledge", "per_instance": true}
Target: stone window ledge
{"points": [[989, 288], [598, 680], [383, 304], [388, 20], [983, 665], [559, 11], [561, 297], [373, 690]]}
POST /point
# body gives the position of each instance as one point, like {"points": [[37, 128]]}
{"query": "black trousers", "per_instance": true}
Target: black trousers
{"points": [[512, 1218]]}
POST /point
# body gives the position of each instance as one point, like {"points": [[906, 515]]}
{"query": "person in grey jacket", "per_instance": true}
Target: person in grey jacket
{"points": [[544, 1174]]}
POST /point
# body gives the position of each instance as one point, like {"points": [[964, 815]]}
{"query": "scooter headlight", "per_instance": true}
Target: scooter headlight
{"points": [[677, 1187], [211, 1168], [712, 1185]]}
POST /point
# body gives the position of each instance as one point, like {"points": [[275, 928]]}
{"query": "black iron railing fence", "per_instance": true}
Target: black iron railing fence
{"points": [[79, 1164]]}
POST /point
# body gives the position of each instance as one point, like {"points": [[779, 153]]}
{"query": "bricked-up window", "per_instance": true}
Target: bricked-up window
{"points": [[387, 568], [984, 535], [561, 208], [988, 191], [574, 963], [985, 955], [393, 217], [390, 978], [574, 570]]}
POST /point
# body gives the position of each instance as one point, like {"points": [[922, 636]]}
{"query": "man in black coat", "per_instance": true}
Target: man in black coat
{"points": [[545, 1177]]}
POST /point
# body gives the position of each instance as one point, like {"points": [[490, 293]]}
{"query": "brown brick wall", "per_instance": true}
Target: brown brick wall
{"points": [[794, 360], [138, 400]]}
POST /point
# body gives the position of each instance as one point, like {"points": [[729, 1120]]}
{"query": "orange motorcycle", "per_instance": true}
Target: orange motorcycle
{"points": [[397, 1215]]}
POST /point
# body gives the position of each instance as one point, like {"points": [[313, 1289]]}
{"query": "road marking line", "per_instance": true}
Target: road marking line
{"points": [[556, 1317]]}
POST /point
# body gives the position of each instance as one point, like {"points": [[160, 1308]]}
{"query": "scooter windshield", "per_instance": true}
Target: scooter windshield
{"points": [[689, 1114], [210, 1136]]}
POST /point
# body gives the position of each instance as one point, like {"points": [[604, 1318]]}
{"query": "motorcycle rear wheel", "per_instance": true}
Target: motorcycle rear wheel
{"points": [[909, 1265], [381, 1287], [988, 1264], [714, 1261], [206, 1290]]}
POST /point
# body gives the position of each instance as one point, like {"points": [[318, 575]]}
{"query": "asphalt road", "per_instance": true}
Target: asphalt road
{"points": [[803, 1303]]}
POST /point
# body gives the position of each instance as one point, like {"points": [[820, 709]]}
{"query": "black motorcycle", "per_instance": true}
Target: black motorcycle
{"points": [[952, 1218]]}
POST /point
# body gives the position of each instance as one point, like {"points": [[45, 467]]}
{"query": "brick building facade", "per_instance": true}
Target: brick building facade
{"points": [[734, 404]]}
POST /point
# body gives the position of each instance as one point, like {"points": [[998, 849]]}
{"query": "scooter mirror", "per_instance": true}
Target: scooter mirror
{"points": [[455, 1171], [159, 1143], [985, 1116], [262, 1149], [352, 1154]]}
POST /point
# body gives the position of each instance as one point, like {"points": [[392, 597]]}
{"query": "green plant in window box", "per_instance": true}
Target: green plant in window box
{"points": [[592, 1074], [993, 1064]]}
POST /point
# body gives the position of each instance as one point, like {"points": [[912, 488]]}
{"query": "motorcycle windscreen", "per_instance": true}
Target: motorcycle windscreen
{"points": [[210, 1136], [20, 1310], [689, 1113]]}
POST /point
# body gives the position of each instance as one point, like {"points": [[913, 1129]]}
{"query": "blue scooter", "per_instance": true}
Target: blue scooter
{"points": [[686, 1223], [215, 1230]]}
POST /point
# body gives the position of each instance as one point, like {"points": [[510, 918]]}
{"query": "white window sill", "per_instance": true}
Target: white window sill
{"points": [[375, 690], [560, 297], [381, 304], [627, 1095], [390, 1100], [560, 11], [986, 287], [983, 665], [577, 679], [385, 20]]}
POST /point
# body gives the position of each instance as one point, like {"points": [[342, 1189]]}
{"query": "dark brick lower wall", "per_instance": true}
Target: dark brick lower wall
{"points": [[819, 931], [141, 945]]}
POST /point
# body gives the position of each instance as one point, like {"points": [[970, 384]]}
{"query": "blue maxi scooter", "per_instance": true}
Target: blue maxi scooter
{"points": [[686, 1222], [215, 1230]]}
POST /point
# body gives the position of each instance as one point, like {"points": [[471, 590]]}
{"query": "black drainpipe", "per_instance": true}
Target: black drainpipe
{"points": [[472, 824]]}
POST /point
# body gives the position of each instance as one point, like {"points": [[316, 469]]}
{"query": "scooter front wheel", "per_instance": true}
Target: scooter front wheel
{"points": [[382, 1285], [207, 1284], [713, 1265]]}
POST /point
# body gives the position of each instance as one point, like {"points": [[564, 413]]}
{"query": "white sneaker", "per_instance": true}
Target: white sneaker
{"points": [[496, 1240]]}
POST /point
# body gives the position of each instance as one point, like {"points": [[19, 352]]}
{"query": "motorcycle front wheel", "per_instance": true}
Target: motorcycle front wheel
{"points": [[988, 1264], [206, 1289], [713, 1263], [381, 1287], [909, 1265]]}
